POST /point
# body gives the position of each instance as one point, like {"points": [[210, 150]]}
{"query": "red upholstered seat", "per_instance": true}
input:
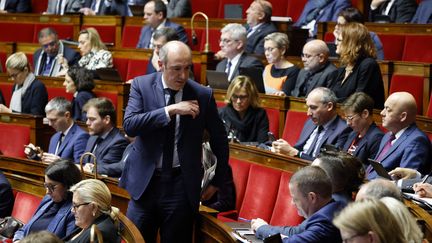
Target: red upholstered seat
{"points": [[131, 36], [284, 211], [261, 192], [197, 71], [6, 89], [293, 126], [245, 4], [136, 68], [273, 116], [64, 31], [214, 36], [13, 138], [199, 36], [329, 37], [295, 8], [39, 6], [240, 170], [280, 7], [411, 84], [209, 7], [220, 104], [55, 92], [25, 206], [393, 46], [417, 48], [16, 32], [121, 64], [428, 113], [106, 32]]}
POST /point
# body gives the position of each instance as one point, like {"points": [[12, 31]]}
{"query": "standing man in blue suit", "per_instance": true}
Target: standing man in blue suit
{"points": [[405, 145], [324, 126], [69, 141], [168, 113], [106, 142], [155, 15], [259, 25], [320, 11], [15, 6], [311, 192]]}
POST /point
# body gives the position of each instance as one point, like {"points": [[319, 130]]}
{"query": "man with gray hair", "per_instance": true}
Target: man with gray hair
{"points": [[324, 126], [47, 60], [69, 141], [379, 188], [316, 68], [233, 43], [311, 192]]}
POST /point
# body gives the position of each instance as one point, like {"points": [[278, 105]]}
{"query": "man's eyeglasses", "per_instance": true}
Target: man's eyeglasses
{"points": [[350, 118], [76, 206], [50, 187], [51, 44], [14, 75], [308, 55], [239, 97], [226, 41]]}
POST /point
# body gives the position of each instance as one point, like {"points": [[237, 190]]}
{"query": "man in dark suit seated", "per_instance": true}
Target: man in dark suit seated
{"points": [[405, 145], [316, 68], [259, 25], [106, 7], [324, 126], [48, 59], [155, 15], [378, 189], [69, 141], [61, 7], [15, 6], [393, 11], [106, 142], [6, 196], [232, 44], [168, 113], [311, 192], [423, 14]]}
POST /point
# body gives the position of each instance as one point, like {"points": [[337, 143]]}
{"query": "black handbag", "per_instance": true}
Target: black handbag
{"points": [[8, 226]]}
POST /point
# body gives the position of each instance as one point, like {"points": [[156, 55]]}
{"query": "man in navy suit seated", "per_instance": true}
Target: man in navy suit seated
{"points": [[15, 6], [48, 59], [106, 142], [155, 15], [311, 192], [405, 145], [69, 141], [324, 126], [6, 195]]}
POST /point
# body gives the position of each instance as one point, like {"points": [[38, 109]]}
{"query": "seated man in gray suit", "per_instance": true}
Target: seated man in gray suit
{"points": [[61, 7], [233, 44], [324, 126], [317, 68]]}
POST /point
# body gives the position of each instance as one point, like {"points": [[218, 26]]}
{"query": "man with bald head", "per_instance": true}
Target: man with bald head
{"points": [[317, 68], [378, 189], [405, 145], [168, 113]]}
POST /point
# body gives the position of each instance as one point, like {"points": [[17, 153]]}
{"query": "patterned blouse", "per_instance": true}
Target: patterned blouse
{"points": [[96, 59]]}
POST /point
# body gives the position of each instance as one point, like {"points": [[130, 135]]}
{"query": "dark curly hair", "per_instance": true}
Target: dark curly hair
{"points": [[82, 78]]}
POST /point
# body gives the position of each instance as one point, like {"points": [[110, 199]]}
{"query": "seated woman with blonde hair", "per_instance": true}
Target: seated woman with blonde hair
{"points": [[243, 116], [91, 204]]}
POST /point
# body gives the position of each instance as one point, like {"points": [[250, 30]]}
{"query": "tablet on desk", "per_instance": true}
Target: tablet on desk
{"points": [[108, 74], [379, 169], [217, 80], [256, 76]]}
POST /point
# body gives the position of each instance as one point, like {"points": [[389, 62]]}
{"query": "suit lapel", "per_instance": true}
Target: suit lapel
{"points": [[66, 139], [158, 91], [400, 140]]}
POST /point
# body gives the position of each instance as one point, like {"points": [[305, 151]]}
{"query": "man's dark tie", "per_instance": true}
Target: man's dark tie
{"points": [[386, 147], [307, 83], [228, 68], [60, 141], [168, 150], [315, 141]]}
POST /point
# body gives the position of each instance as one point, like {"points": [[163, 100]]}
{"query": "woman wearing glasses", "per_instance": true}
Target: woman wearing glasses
{"points": [[243, 116], [363, 142], [92, 205], [54, 212], [29, 95], [279, 75]]}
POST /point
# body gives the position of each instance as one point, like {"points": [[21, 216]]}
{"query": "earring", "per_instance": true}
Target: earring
{"points": [[94, 214]]}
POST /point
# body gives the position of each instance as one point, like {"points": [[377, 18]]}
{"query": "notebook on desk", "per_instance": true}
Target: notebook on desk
{"points": [[108, 74], [217, 80]]}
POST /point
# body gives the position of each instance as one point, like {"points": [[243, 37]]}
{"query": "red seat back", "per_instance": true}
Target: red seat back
{"points": [[240, 170], [199, 36], [130, 36], [417, 48], [429, 110], [295, 8], [39, 6], [293, 126], [121, 64], [209, 7], [261, 192], [16, 32], [107, 33], [279, 7], [393, 46], [273, 116], [214, 36], [136, 68], [6, 89], [56, 92], [13, 138], [25, 206], [64, 31], [410, 84], [284, 211], [329, 37]]}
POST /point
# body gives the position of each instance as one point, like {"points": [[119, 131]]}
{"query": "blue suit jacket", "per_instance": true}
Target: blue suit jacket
{"points": [[255, 42], [336, 134], [71, 55], [78, 103], [145, 118], [109, 152], [423, 14], [18, 6], [411, 150], [368, 146], [6, 197], [146, 33], [317, 228], [61, 225], [34, 99], [328, 13], [73, 144]]}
